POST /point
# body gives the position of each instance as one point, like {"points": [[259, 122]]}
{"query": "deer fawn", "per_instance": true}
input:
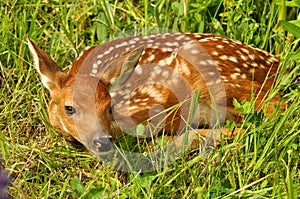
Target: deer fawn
{"points": [[141, 80]]}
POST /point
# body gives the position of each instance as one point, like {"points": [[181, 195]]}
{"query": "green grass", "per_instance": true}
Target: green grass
{"points": [[262, 163]]}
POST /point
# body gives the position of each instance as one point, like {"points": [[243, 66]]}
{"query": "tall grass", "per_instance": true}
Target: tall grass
{"points": [[262, 163]]}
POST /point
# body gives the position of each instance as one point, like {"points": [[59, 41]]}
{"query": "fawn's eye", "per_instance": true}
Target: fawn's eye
{"points": [[70, 110]]}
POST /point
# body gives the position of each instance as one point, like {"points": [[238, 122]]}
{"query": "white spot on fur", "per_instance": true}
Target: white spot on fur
{"points": [[131, 108], [145, 99], [121, 44], [195, 51], [245, 50], [94, 71], [262, 66], [211, 62], [180, 37], [169, 60], [234, 76], [132, 42], [167, 49], [237, 69], [218, 81], [171, 44], [137, 100], [126, 97], [252, 57], [157, 70], [139, 70], [204, 40], [244, 76], [233, 59], [153, 93], [162, 62], [223, 77], [215, 53], [165, 74], [244, 58], [254, 64], [203, 63], [245, 65], [95, 66], [151, 58], [275, 59], [224, 57], [187, 46], [238, 52]]}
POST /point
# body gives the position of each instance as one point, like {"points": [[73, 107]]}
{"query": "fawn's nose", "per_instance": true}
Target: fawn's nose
{"points": [[103, 144]]}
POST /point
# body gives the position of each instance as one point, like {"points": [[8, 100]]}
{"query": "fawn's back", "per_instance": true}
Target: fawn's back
{"points": [[152, 80]]}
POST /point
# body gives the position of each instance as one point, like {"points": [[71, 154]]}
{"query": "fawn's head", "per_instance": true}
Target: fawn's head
{"points": [[80, 102]]}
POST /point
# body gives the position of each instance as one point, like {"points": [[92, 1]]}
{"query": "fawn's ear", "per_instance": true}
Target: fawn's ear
{"points": [[48, 70], [118, 71]]}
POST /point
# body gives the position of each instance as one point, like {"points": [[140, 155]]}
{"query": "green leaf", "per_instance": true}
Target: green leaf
{"points": [[76, 184], [291, 28], [101, 27], [295, 22], [236, 104], [297, 2], [95, 193], [178, 8], [294, 3], [140, 129]]}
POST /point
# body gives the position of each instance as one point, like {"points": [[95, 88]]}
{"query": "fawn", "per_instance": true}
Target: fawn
{"points": [[137, 80]]}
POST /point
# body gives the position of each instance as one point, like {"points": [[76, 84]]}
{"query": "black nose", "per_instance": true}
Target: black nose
{"points": [[103, 144]]}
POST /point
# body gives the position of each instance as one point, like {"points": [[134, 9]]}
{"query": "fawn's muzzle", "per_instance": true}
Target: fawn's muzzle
{"points": [[103, 144]]}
